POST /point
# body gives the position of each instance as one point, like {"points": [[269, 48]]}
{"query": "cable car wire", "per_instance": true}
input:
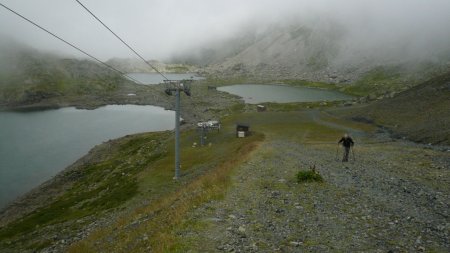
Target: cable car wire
{"points": [[68, 43], [118, 37]]}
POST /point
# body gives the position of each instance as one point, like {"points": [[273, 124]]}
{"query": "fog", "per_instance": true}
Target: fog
{"points": [[160, 29]]}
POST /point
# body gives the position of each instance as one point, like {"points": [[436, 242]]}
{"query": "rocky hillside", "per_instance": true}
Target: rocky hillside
{"points": [[285, 52], [323, 51]]}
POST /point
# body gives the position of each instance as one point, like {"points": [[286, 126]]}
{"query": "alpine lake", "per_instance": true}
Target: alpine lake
{"points": [[262, 93], [36, 145]]}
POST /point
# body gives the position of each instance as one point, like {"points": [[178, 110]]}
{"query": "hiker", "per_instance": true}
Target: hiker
{"points": [[347, 143]]}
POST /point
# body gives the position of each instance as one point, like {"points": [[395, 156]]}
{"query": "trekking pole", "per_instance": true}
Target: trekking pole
{"points": [[337, 150], [353, 152]]}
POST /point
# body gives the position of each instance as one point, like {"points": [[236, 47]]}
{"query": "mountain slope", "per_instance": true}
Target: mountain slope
{"points": [[285, 52], [322, 50], [421, 113], [28, 76]]}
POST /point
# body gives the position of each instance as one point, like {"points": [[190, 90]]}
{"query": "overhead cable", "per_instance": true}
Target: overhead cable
{"points": [[68, 43], [118, 37]]}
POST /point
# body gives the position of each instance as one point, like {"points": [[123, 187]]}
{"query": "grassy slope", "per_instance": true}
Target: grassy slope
{"points": [[33, 77], [206, 176], [420, 113], [379, 81], [132, 176]]}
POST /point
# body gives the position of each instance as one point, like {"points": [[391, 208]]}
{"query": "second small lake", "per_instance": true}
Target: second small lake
{"points": [[261, 93]]}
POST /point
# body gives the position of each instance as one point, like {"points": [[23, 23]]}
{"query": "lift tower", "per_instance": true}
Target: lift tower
{"points": [[175, 86]]}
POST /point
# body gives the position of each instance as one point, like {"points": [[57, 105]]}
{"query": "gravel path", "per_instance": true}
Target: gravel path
{"points": [[393, 198]]}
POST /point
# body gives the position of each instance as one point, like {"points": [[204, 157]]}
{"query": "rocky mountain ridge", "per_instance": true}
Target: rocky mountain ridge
{"points": [[323, 50]]}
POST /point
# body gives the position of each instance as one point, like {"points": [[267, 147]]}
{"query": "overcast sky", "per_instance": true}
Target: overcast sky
{"points": [[158, 28]]}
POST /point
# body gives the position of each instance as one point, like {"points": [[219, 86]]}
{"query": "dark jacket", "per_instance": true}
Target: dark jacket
{"points": [[346, 142]]}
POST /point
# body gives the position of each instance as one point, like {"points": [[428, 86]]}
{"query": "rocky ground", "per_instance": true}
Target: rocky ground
{"points": [[393, 197]]}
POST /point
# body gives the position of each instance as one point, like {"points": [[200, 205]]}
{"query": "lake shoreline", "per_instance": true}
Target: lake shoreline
{"points": [[219, 104], [278, 93], [46, 192], [38, 144], [216, 105]]}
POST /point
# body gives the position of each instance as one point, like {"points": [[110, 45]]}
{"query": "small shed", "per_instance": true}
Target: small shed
{"points": [[242, 130], [260, 108]]}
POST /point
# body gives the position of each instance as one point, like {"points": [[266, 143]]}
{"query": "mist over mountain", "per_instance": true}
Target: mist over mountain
{"points": [[28, 75], [401, 43], [162, 30], [323, 49]]}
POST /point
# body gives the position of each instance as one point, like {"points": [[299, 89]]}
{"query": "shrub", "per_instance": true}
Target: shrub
{"points": [[309, 176]]}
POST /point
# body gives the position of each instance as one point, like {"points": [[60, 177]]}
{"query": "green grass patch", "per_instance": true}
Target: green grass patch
{"points": [[237, 108], [294, 126], [309, 176]]}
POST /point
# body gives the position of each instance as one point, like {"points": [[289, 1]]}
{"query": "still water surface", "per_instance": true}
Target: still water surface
{"points": [[34, 146], [259, 93], [155, 78]]}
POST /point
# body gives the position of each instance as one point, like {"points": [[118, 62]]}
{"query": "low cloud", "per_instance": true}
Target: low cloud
{"points": [[160, 29]]}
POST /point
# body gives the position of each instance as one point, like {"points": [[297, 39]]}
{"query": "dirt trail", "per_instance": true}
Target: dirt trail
{"points": [[393, 198], [314, 115]]}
